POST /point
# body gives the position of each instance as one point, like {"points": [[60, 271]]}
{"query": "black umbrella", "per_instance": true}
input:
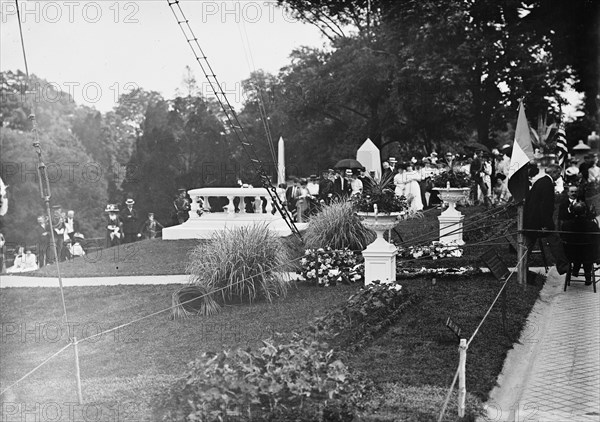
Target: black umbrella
{"points": [[478, 147], [349, 163]]}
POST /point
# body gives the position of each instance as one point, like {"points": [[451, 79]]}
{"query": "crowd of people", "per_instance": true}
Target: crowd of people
{"points": [[412, 179], [304, 196], [575, 240]]}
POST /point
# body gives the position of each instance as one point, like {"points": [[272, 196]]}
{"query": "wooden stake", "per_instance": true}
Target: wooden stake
{"points": [[521, 259], [77, 371], [462, 386]]}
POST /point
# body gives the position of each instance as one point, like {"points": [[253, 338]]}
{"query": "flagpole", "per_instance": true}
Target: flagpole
{"points": [[521, 250], [518, 184]]}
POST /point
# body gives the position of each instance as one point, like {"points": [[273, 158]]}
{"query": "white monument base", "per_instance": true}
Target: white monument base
{"points": [[208, 223], [202, 227], [380, 262], [451, 227]]}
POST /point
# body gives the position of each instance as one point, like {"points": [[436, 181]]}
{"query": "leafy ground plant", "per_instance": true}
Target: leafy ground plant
{"points": [[238, 266], [337, 226], [365, 315], [299, 380]]}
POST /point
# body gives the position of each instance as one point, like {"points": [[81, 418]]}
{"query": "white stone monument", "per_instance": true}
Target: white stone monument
{"points": [[369, 156]]}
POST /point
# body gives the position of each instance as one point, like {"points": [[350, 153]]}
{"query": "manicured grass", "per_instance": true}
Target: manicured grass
{"points": [[134, 366], [146, 257], [130, 369], [420, 354]]}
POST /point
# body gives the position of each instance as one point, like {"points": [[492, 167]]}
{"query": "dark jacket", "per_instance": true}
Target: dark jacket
{"points": [[539, 206], [130, 220], [583, 244], [340, 191]]}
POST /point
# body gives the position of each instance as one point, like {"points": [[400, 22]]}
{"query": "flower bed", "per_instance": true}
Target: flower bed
{"points": [[328, 267], [435, 250], [406, 273]]}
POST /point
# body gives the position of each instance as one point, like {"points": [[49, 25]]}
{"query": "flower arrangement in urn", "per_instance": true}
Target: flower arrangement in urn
{"points": [[452, 177], [379, 197]]}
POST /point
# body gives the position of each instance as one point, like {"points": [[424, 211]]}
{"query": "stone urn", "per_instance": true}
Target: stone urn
{"points": [[451, 220], [452, 196], [380, 222], [380, 256]]}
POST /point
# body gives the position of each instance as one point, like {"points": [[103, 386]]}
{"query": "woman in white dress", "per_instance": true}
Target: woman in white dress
{"points": [[24, 261], [407, 184]]}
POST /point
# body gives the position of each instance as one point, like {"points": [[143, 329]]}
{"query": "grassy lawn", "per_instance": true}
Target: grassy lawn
{"points": [[146, 257], [418, 356], [131, 367], [129, 370]]}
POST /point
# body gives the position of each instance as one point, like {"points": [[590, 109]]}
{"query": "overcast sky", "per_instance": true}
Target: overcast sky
{"points": [[98, 49]]}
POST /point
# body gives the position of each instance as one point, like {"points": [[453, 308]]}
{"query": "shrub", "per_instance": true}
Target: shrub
{"points": [[337, 226], [238, 265], [298, 381], [328, 267]]}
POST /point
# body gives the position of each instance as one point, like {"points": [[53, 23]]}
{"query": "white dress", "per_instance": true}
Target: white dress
{"points": [[407, 184]]}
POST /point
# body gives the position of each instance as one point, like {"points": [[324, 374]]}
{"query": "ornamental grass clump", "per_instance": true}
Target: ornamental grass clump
{"points": [[337, 226], [237, 266]]}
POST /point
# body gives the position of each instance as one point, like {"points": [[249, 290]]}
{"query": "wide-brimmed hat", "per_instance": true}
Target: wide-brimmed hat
{"points": [[182, 190], [78, 236], [129, 201], [112, 208], [392, 160]]}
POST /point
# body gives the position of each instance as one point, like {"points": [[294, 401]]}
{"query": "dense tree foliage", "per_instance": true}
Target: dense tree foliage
{"points": [[77, 179], [413, 76]]}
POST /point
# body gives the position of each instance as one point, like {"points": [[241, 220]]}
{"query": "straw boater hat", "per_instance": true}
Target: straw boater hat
{"points": [[112, 208], [129, 201]]}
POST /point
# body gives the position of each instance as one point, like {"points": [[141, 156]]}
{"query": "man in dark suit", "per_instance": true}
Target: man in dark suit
{"points": [[341, 185], [326, 186], [581, 240], [58, 225], [538, 214], [291, 193], [42, 238], [565, 207], [129, 218]]}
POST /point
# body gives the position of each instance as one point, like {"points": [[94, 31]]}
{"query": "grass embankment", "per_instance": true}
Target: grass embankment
{"points": [[128, 370], [131, 368], [146, 257]]}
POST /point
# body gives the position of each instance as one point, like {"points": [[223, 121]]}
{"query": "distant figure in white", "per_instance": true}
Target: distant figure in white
{"points": [[3, 199], [407, 185], [24, 261]]}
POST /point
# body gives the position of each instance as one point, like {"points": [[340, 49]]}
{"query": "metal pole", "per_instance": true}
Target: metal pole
{"points": [[77, 371], [462, 387], [45, 194], [521, 250]]}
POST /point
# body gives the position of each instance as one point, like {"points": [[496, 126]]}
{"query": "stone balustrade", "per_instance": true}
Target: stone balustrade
{"points": [[211, 220], [231, 194]]}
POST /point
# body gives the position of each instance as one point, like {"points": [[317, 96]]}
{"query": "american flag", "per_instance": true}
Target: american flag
{"points": [[561, 147]]}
